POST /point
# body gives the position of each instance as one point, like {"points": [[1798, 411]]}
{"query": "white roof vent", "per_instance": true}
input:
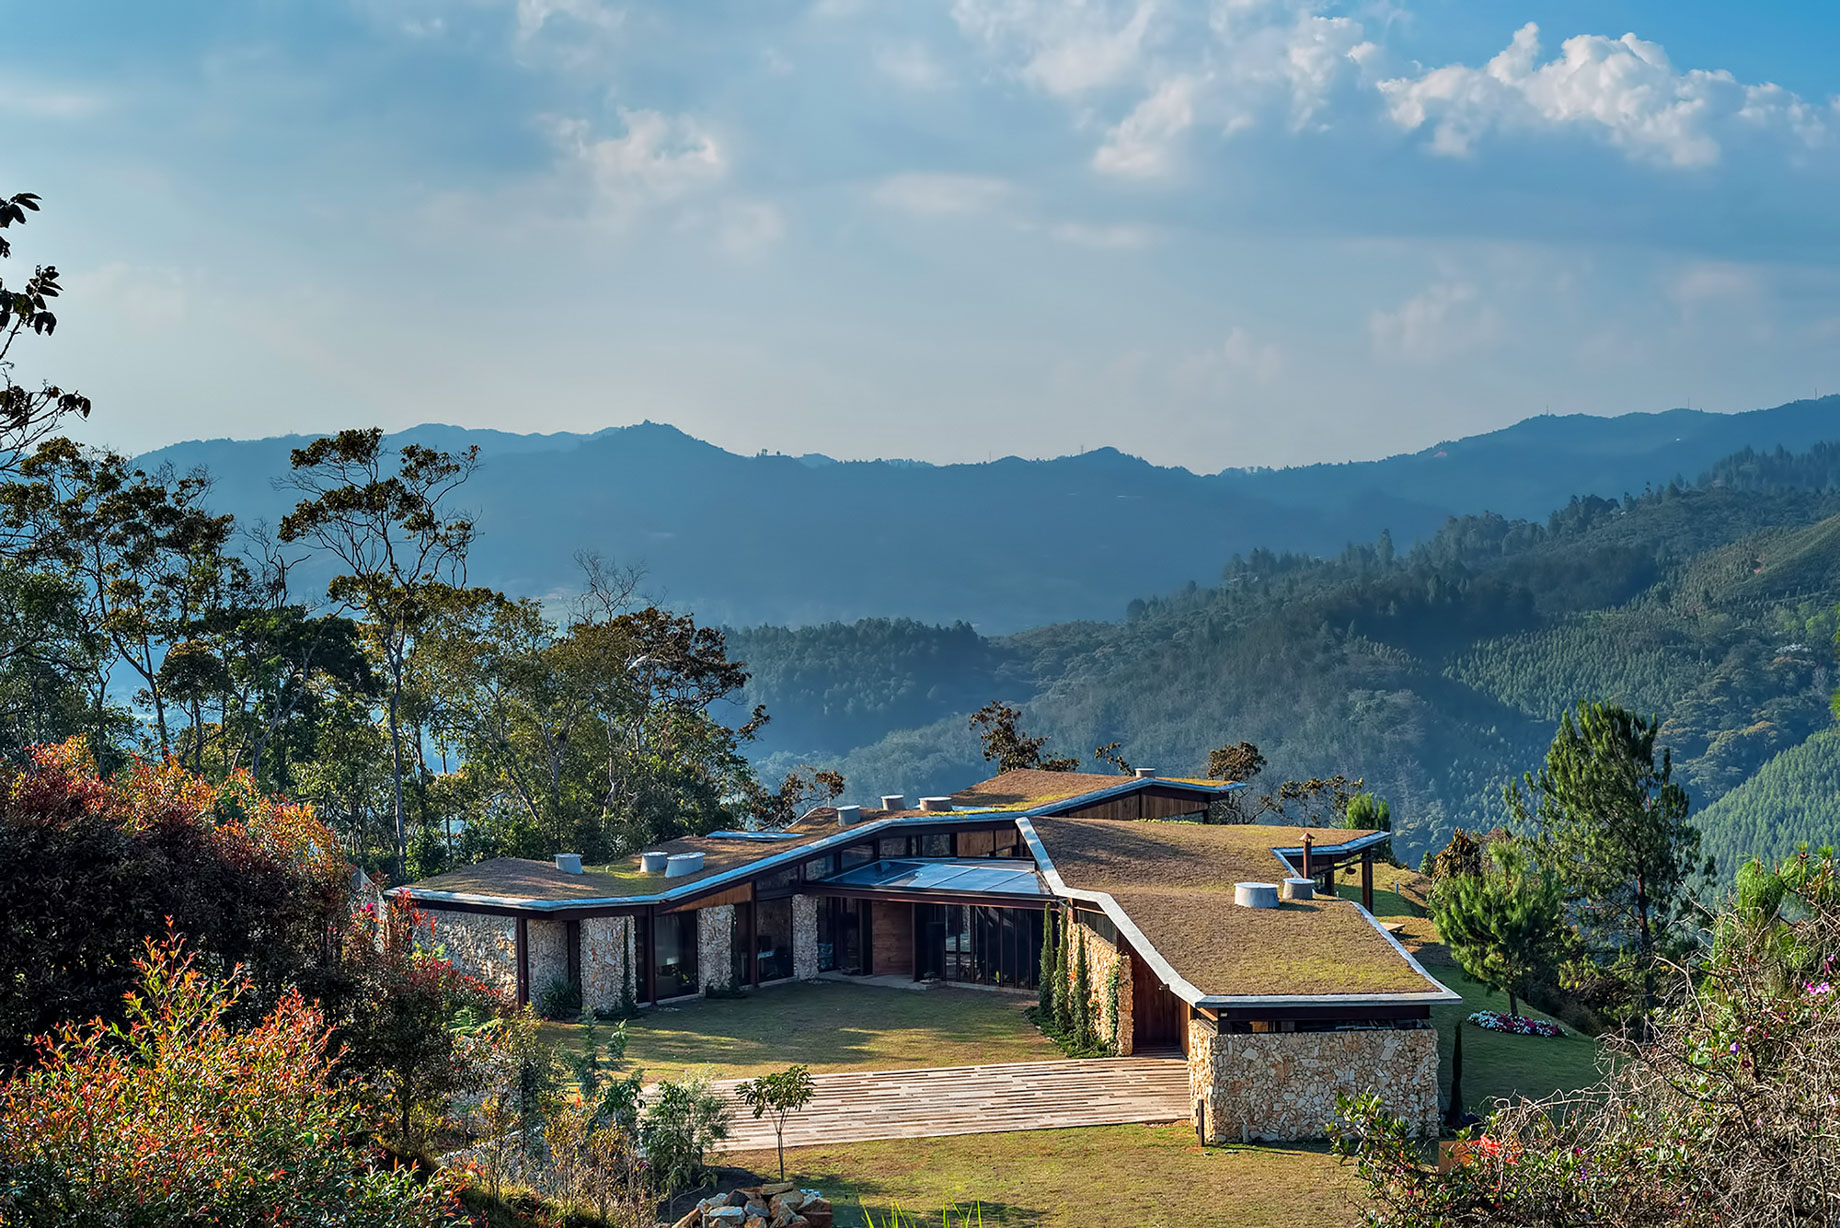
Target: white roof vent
{"points": [[1145, 773], [1255, 895], [653, 863], [849, 816], [569, 863], [680, 865], [931, 804], [894, 801], [1299, 888]]}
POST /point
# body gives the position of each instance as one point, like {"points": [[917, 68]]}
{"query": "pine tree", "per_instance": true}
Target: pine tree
{"points": [[1049, 960], [1084, 1035], [1063, 996]]}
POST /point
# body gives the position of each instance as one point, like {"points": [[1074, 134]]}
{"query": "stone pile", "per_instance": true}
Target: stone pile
{"points": [[780, 1205]]}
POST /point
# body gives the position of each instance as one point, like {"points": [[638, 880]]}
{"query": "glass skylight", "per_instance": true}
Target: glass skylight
{"points": [[963, 877]]}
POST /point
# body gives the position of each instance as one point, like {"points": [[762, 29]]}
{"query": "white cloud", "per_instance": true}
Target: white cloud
{"points": [[1625, 90], [744, 227], [911, 65], [534, 15], [37, 101], [660, 159], [1066, 47], [1709, 282], [1143, 144], [1447, 320], [1260, 359], [937, 195], [1104, 238]]}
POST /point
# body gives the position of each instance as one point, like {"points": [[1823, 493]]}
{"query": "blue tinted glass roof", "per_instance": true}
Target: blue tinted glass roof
{"points": [[913, 874]]}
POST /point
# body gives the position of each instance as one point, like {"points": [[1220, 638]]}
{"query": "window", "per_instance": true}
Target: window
{"points": [[842, 936], [674, 950], [935, 844], [856, 855], [773, 939], [741, 946]]}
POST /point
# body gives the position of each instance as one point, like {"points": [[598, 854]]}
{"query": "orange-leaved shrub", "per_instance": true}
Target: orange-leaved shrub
{"points": [[177, 1117], [94, 865]]}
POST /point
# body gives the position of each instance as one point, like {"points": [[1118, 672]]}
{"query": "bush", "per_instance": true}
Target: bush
{"points": [[557, 998], [177, 1118], [684, 1120], [93, 866]]}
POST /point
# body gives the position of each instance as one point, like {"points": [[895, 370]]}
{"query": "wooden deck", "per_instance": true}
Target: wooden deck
{"points": [[859, 1105]]}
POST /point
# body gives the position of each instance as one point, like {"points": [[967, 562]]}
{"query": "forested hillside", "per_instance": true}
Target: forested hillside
{"points": [[1436, 673], [1792, 799]]}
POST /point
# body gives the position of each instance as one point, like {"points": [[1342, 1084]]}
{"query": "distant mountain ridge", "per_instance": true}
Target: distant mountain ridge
{"points": [[1006, 544]]}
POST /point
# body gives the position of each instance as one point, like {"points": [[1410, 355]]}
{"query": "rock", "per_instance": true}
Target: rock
{"points": [[754, 1221], [738, 1198], [692, 1219], [730, 1217], [816, 1213], [778, 1187]]}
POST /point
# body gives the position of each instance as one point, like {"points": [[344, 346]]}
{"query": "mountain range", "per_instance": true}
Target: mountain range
{"points": [[1003, 545]]}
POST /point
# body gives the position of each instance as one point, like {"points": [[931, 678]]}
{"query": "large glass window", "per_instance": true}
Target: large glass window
{"points": [[842, 936], [980, 945], [741, 946], [642, 955], [857, 855], [773, 939], [674, 946]]}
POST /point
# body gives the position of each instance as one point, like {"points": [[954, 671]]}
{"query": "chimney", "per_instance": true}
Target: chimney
{"points": [[1145, 773], [894, 801], [932, 804], [569, 863], [849, 816]]}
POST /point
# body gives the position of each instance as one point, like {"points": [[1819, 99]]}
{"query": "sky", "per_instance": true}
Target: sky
{"points": [[1220, 233]]}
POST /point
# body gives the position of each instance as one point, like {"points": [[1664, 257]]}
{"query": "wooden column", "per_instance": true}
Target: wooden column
{"points": [[1367, 879], [523, 961]]}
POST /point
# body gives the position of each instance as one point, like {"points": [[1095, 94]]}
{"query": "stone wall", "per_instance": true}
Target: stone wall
{"points": [[804, 937], [715, 946], [1101, 958], [606, 954], [479, 944], [1281, 1086], [549, 953]]}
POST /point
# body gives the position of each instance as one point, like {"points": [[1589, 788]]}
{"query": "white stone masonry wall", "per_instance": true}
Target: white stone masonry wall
{"points": [[804, 937], [1281, 1086], [549, 953], [715, 944], [1101, 958], [606, 954], [479, 944]]}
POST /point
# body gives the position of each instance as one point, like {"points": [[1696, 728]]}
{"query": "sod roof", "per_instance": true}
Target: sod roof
{"points": [[513, 878], [1175, 882], [1027, 788]]}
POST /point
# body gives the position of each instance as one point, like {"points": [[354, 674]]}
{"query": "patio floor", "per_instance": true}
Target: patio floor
{"points": [[877, 1104]]}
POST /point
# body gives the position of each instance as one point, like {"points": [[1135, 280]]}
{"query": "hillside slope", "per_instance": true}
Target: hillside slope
{"points": [[1792, 799]]}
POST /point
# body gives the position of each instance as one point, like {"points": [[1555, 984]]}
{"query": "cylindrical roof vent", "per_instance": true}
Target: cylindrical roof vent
{"points": [[569, 863], [931, 804], [677, 865], [848, 815], [1145, 773], [653, 863], [894, 801], [1255, 895], [1299, 888]]}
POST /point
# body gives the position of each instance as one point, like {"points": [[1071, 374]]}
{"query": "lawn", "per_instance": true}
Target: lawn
{"points": [[1495, 1064], [829, 1026], [1144, 1176]]}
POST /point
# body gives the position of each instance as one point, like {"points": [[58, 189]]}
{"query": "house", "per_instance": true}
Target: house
{"points": [[1277, 1003]]}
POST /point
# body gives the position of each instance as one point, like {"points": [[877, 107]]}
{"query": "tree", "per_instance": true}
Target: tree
{"points": [[1721, 1115], [1239, 763], [1109, 754], [1050, 970], [1366, 812], [28, 416], [1463, 855], [1505, 927], [1612, 824], [401, 546], [1004, 741], [803, 788], [780, 1094], [180, 1117]]}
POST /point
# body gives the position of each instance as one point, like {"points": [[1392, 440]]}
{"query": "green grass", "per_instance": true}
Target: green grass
{"points": [[829, 1026], [1495, 1064], [1144, 1176]]}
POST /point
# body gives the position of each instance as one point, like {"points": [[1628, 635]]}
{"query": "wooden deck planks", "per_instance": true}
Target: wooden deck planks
{"points": [[857, 1105]]}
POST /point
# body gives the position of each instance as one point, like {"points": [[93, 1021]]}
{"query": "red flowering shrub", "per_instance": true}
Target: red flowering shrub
{"points": [[1518, 1025], [396, 1023], [93, 866], [177, 1118]]}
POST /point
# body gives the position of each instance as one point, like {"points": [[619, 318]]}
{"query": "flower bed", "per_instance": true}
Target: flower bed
{"points": [[1519, 1025]]}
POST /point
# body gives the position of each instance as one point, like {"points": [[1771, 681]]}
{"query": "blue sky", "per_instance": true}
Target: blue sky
{"points": [[1228, 233]]}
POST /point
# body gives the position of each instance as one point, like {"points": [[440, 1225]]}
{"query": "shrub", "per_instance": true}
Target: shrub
{"points": [[1518, 1025], [683, 1121], [93, 866], [177, 1118], [557, 998]]}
